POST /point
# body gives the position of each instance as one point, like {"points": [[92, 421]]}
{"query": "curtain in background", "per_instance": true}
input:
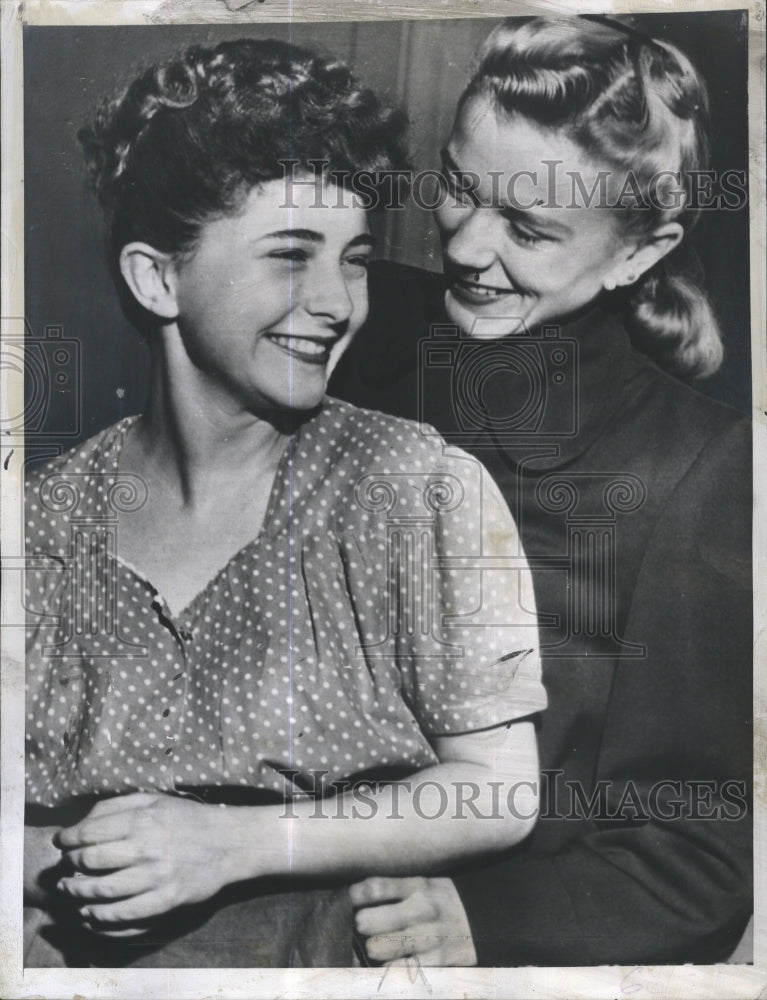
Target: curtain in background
{"points": [[423, 68]]}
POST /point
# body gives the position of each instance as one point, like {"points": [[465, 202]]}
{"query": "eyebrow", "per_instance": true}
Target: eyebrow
{"points": [[449, 163], [513, 212], [548, 227], [312, 236]]}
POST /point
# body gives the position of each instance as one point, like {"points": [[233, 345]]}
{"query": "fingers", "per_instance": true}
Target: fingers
{"points": [[382, 889], [127, 911], [104, 857], [122, 933], [95, 831], [415, 909], [431, 958], [118, 885], [408, 920], [109, 819], [416, 941]]}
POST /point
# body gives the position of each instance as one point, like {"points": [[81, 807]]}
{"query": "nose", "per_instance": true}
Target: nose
{"points": [[469, 239], [326, 295]]}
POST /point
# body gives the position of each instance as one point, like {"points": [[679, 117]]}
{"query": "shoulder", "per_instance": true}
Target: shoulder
{"points": [[69, 482], [695, 415], [676, 425], [698, 456], [375, 438], [85, 456], [367, 453]]}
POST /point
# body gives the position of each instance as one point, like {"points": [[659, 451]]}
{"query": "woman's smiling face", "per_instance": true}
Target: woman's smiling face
{"points": [[271, 297], [521, 248]]}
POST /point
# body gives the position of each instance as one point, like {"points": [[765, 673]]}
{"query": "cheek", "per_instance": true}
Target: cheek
{"points": [[260, 301], [594, 274], [565, 271], [449, 219]]}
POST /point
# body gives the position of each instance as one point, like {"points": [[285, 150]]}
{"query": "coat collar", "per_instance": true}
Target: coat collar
{"points": [[541, 398]]}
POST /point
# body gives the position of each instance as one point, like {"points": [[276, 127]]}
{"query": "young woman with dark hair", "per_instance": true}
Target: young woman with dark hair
{"points": [[280, 632]]}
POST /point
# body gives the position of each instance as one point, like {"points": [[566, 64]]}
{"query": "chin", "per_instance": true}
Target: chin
{"points": [[480, 324], [300, 404]]}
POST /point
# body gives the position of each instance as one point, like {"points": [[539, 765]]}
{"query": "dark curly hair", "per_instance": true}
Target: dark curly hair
{"points": [[190, 137]]}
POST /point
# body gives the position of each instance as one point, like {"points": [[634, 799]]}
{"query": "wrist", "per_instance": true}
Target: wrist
{"points": [[238, 831]]}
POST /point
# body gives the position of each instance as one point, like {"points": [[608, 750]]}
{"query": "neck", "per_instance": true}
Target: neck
{"points": [[195, 438]]}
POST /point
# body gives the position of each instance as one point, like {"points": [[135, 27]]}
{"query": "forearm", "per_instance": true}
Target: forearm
{"points": [[156, 849], [442, 814]]}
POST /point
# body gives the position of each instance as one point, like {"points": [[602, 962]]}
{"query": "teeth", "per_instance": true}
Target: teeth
{"points": [[305, 345], [485, 290]]}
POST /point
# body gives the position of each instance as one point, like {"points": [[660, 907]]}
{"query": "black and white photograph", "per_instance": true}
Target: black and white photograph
{"points": [[383, 598]]}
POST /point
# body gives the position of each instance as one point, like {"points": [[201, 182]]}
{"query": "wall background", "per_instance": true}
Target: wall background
{"points": [[422, 65]]}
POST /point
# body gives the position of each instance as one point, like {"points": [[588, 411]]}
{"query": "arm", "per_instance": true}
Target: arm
{"points": [[656, 891], [488, 767], [160, 865], [676, 890], [490, 676]]}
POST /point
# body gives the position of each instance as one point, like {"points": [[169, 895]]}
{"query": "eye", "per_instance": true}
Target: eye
{"points": [[527, 237], [358, 260], [295, 255]]}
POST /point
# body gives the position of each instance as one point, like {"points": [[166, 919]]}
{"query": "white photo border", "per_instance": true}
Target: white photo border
{"points": [[732, 981]]}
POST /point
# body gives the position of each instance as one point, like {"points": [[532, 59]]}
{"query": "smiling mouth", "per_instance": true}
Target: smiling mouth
{"points": [[306, 349], [477, 293]]}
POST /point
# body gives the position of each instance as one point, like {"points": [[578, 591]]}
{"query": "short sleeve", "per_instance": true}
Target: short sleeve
{"points": [[466, 619]]}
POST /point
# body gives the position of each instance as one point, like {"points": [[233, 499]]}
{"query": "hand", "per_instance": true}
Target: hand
{"points": [[137, 856], [423, 917]]}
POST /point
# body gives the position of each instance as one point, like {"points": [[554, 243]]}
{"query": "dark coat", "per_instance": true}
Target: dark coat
{"points": [[632, 494]]}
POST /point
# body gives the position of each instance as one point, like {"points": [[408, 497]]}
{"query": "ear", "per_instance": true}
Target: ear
{"points": [[644, 256], [151, 277]]}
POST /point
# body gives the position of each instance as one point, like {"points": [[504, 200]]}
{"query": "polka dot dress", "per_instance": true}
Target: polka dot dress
{"points": [[385, 600]]}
